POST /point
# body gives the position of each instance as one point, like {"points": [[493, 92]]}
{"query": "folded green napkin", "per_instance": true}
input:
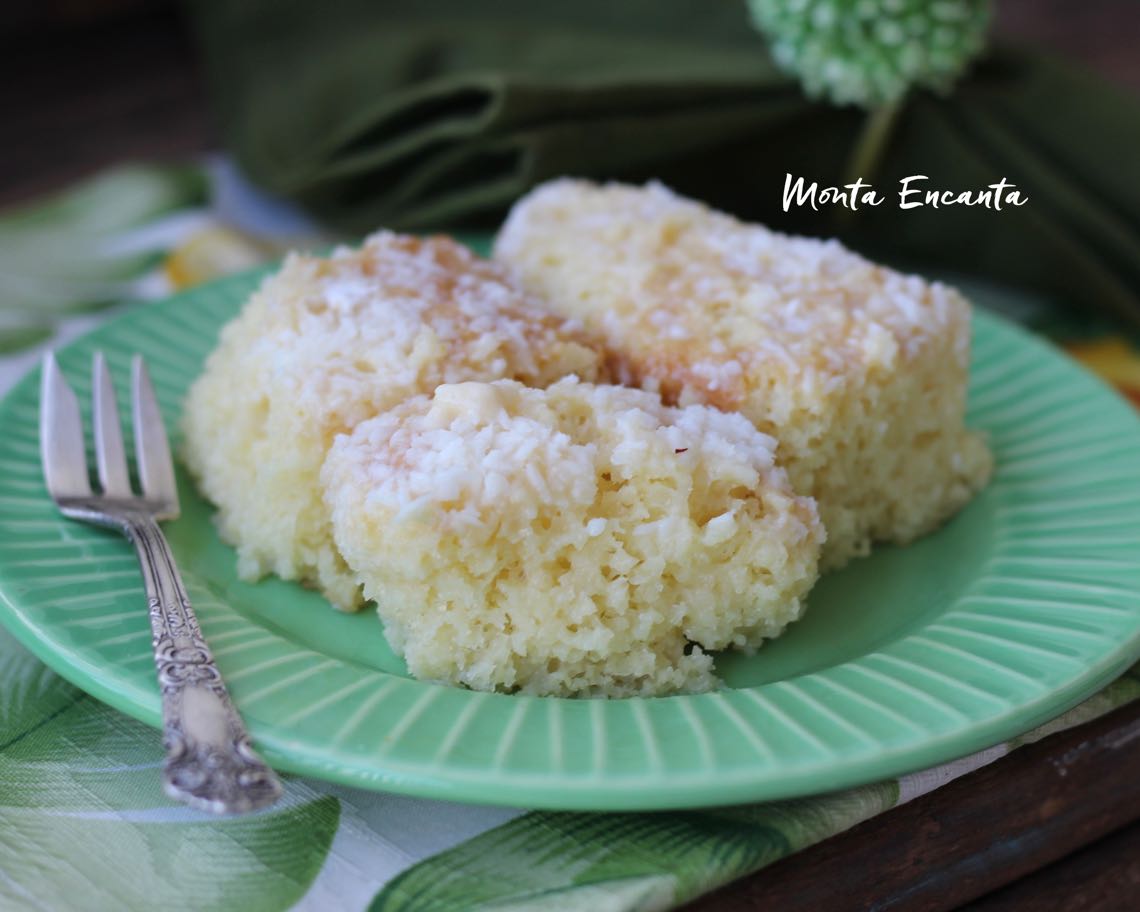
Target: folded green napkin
{"points": [[440, 113]]}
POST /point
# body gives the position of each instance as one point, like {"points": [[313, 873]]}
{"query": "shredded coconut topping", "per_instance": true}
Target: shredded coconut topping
{"points": [[572, 540]]}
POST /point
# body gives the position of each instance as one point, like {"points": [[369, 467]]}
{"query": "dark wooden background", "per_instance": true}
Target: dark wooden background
{"points": [[1055, 826]]}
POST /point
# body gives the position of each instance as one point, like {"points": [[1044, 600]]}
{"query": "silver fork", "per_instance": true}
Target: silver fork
{"points": [[209, 761]]}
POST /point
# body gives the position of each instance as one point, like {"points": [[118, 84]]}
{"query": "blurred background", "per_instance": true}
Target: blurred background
{"points": [[87, 83], [280, 123]]}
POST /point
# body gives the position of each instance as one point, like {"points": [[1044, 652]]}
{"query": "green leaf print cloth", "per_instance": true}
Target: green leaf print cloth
{"points": [[84, 825]]}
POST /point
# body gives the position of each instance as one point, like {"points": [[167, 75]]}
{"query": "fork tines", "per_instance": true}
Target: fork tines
{"points": [[61, 436], [62, 448]]}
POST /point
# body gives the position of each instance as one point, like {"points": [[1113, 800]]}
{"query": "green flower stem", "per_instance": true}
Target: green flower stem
{"points": [[867, 155]]}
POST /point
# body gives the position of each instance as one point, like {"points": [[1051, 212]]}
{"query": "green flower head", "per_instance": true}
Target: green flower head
{"points": [[870, 52]]}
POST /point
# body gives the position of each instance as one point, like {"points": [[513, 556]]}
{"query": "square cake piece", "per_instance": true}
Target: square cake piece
{"points": [[327, 342], [580, 540], [857, 370]]}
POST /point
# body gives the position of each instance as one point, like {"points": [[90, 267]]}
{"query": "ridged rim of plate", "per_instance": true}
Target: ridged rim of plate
{"points": [[1028, 639]]}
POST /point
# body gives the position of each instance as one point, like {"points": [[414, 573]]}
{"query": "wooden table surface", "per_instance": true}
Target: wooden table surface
{"points": [[1054, 826]]}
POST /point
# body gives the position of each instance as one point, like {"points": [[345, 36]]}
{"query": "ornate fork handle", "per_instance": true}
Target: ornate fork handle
{"points": [[210, 763]]}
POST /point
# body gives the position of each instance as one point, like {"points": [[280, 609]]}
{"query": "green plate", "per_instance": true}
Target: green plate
{"points": [[1026, 603]]}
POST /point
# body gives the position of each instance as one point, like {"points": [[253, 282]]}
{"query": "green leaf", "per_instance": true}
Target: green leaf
{"points": [[621, 862], [87, 247], [83, 819], [19, 330], [122, 197]]}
